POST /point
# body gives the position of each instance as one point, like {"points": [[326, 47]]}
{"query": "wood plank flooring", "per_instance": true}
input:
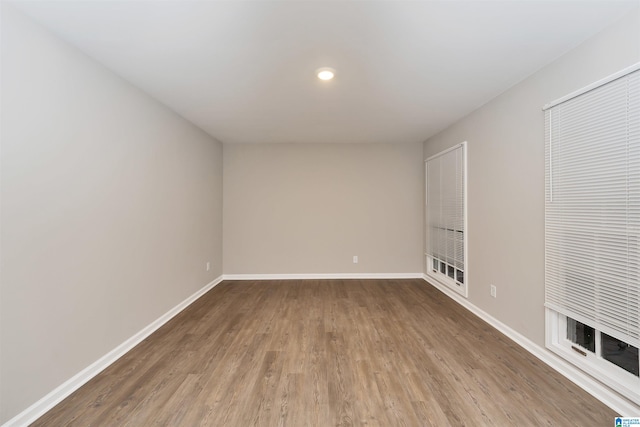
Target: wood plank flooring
{"points": [[328, 353]]}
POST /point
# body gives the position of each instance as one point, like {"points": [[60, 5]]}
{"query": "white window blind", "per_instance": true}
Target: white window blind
{"points": [[445, 213], [592, 208]]}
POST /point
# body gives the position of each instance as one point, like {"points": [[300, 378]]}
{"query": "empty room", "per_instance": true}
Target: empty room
{"points": [[319, 213]]}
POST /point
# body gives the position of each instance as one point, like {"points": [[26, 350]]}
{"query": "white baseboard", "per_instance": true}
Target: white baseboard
{"points": [[323, 276], [619, 404], [43, 405]]}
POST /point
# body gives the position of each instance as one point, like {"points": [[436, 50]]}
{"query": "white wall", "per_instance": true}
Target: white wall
{"points": [[308, 208], [111, 206], [506, 177]]}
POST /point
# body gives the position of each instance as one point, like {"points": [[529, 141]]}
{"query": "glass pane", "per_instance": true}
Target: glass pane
{"points": [[451, 272], [581, 334], [620, 353], [460, 276], [443, 268], [435, 264]]}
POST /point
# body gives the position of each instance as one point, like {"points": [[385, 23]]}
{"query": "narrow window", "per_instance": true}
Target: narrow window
{"points": [[446, 218]]}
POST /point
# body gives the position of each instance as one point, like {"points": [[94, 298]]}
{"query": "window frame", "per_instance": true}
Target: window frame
{"points": [[594, 364], [444, 279], [556, 315]]}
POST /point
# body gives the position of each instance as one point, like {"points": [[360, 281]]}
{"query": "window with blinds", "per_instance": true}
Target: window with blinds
{"points": [[592, 228], [446, 219]]}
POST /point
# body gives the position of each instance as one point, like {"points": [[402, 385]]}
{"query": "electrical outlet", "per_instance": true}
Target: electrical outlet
{"points": [[355, 259], [493, 291], [208, 266]]}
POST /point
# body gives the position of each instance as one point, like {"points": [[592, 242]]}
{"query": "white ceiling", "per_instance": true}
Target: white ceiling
{"points": [[244, 71]]}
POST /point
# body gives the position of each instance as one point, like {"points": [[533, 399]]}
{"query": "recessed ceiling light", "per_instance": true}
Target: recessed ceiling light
{"points": [[325, 73]]}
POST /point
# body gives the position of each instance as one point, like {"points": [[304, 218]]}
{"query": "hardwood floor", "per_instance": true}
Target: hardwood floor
{"points": [[328, 353]]}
